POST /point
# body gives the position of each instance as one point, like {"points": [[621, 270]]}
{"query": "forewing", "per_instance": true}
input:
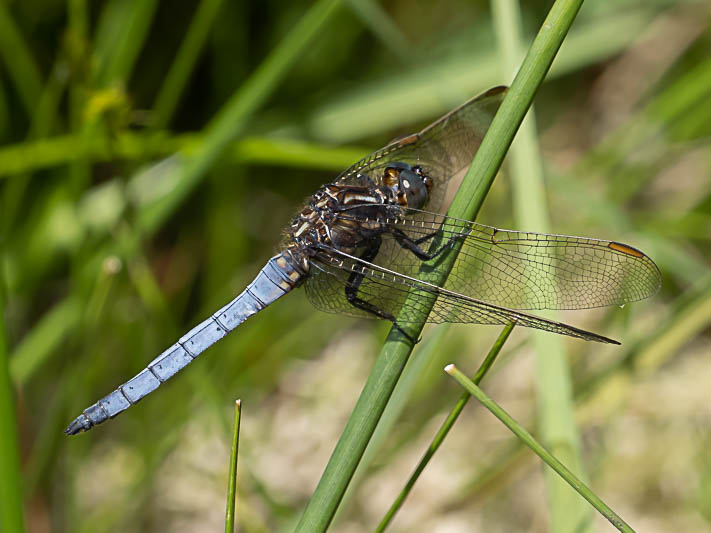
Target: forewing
{"points": [[412, 300], [524, 270], [443, 148]]}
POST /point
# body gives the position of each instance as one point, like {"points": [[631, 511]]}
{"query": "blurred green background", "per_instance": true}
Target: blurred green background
{"points": [[152, 153]]}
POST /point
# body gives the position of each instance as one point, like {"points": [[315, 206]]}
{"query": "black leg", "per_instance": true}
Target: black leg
{"points": [[413, 245], [353, 284]]}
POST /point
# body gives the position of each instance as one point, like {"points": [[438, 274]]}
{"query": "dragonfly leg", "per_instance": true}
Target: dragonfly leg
{"points": [[413, 244], [353, 285]]}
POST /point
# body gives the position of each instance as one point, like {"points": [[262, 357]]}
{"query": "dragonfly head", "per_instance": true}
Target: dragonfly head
{"points": [[411, 185]]}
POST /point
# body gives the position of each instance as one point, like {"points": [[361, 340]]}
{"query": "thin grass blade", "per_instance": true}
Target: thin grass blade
{"points": [[232, 482], [179, 73], [547, 457], [20, 64], [119, 43], [444, 429], [11, 505]]}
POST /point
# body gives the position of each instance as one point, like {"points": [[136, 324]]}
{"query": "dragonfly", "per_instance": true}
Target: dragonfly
{"points": [[365, 246]]}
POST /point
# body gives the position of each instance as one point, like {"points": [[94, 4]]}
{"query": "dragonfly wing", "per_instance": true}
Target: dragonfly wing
{"points": [[442, 149], [413, 300], [524, 270]]}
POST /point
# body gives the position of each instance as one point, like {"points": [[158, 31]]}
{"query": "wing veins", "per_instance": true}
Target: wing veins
{"points": [[503, 314]]}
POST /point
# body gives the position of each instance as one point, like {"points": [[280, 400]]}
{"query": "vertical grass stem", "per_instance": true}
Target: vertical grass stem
{"points": [[232, 482]]}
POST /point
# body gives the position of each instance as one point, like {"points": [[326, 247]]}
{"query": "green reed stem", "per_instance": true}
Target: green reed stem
{"points": [[446, 426]]}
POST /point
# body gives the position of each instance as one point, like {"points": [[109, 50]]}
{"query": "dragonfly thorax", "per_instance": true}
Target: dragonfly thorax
{"points": [[343, 216]]}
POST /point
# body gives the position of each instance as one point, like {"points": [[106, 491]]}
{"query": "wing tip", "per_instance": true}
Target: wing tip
{"points": [[590, 336]]}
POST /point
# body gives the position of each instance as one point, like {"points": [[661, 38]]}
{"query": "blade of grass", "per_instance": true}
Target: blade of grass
{"points": [[179, 73], [79, 172], [48, 153], [658, 117], [91, 309], [466, 204], [43, 121], [446, 426], [380, 105], [232, 482], [374, 16], [40, 343], [686, 325], [78, 21], [122, 33], [232, 118], [547, 457], [11, 506], [554, 390], [19, 61], [605, 393]]}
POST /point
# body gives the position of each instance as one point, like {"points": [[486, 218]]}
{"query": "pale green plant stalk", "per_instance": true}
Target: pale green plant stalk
{"points": [[553, 387]]}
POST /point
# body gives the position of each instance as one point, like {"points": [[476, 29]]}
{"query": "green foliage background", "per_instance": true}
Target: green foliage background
{"points": [[152, 153]]}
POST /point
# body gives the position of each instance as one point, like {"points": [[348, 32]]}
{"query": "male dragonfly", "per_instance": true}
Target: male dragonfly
{"points": [[363, 244]]}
